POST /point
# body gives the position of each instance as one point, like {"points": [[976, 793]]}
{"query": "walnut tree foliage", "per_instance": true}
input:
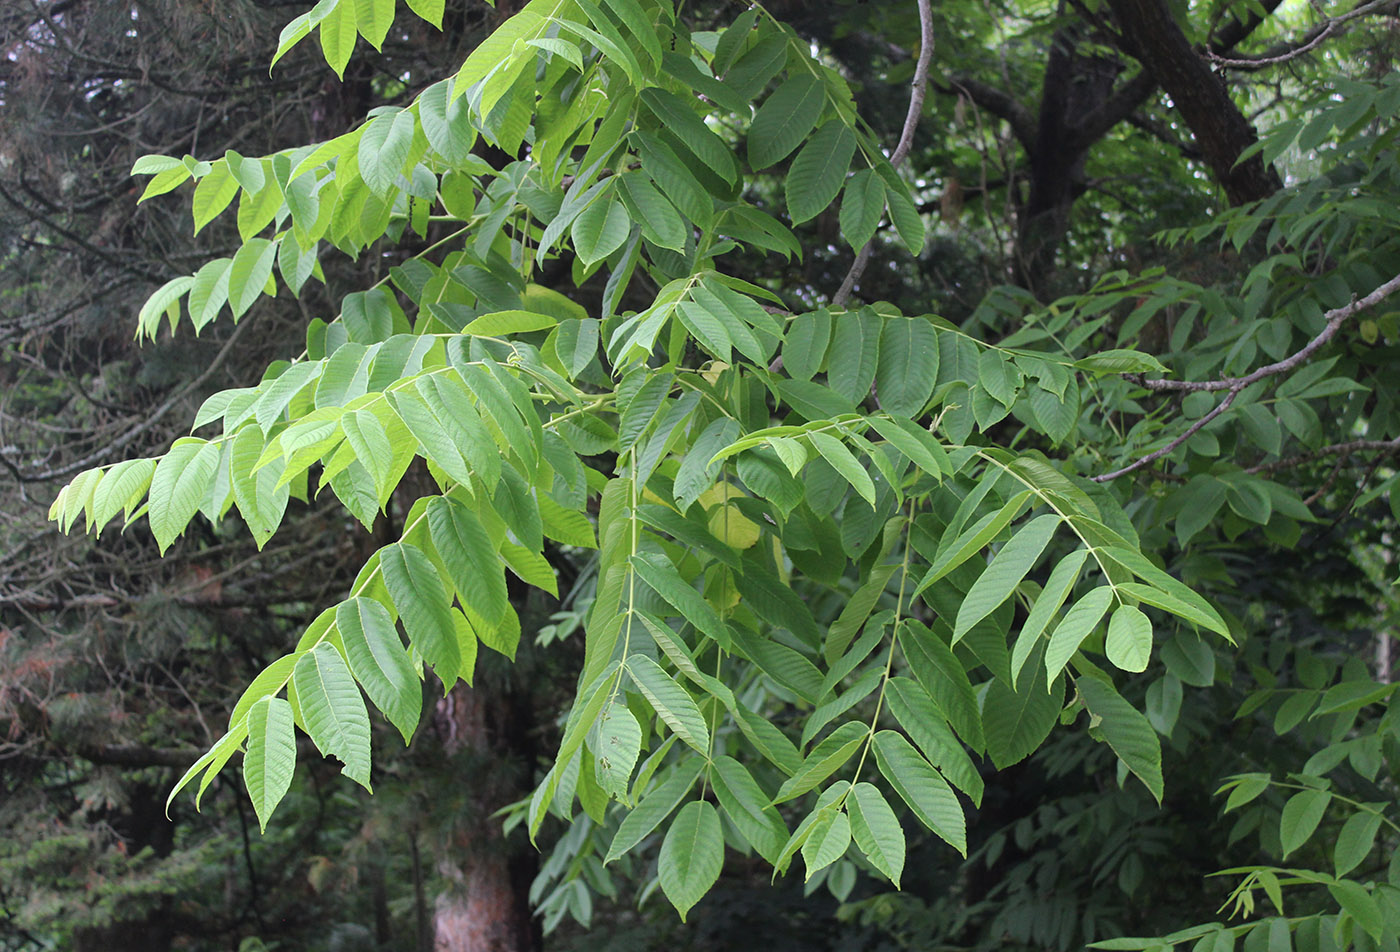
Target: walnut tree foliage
{"points": [[997, 507]]}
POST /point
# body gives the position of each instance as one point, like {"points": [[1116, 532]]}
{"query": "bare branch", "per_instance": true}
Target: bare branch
{"points": [[1164, 134], [1310, 40], [1344, 449], [1191, 431], [1335, 319], [1233, 385], [906, 137], [999, 103], [1120, 106]]}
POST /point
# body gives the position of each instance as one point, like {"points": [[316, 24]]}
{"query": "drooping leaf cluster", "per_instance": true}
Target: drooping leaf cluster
{"points": [[720, 453]]}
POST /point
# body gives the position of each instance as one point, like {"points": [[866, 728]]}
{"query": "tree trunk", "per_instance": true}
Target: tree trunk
{"points": [[1151, 34], [1076, 86], [485, 907]]}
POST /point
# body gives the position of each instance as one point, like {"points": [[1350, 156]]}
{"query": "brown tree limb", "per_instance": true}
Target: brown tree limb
{"points": [[1344, 449], [1233, 385], [1191, 431], [999, 103], [1334, 320], [1309, 41], [917, 92], [1153, 36], [1119, 107]]}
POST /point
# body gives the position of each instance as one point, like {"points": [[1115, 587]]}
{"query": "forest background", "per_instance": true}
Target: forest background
{"points": [[1214, 185]]}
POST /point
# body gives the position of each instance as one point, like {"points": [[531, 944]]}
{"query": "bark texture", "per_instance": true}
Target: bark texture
{"points": [[1151, 34], [486, 907]]}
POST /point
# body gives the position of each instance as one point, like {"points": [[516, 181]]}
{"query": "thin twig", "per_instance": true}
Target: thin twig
{"points": [[1344, 449], [1191, 431], [1312, 40], [150, 421], [1234, 385], [906, 137], [1335, 318]]}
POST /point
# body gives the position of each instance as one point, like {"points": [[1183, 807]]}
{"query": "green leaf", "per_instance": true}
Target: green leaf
{"points": [[927, 727], [855, 354], [844, 462], [471, 560], [120, 487], [747, 806], [661, 223], [1120, 362], [503, 323], [1170, 594], [1361, 905], [271, 758], [861, 207], [915, 442], [971, 540], [379, 662], [615, 749], [805, 344], [827, 841], [165, 301], [819, 171], [446, 124], [999, 580], [1082, 618], [922, 788], [1250, 786], [209, 292], [661, 575], [600, 229], [672, 703], [1126, 730], [1052, 596], [908, 223], [998, 376], [654, 807], [823, 814], [1169, 601], [213, 194], [829, 756], [692, 855], [908, 365], [179, 484], [1129, 642], [785, 119], [210, 762], [430, 10], [1300, 818], [1017, 720], [383, 149], [332, 710], [681, 120], [940, 673], [338, 34], [372, 19], [1355, 841], [423, 605], [876, 830]]}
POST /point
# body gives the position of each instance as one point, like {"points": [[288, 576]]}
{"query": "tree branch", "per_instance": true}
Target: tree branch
{"points": [[1344, 449], [1163, 134], [1335, 318], [1120, 106], [998, 103], [1191, 431], [1308, 42], [1233, 385], [906, 137]]}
